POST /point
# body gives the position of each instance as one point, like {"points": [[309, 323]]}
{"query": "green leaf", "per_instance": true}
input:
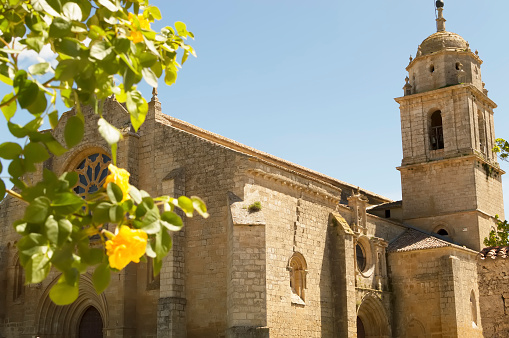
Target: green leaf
{"points": [[114, 192], [64, 230], [10, 150], [101, 278], [8, 109], [37, 268], [108, 132], [59, 28], [72, 11], [149, 77], [149, 251], [35, 152], [38, 106], [170, 75], [135, 194], [51, 229], [67, 69], [109, 5], [73, 132], [200, 206], [116, 213], [37, 211], [70, 177], [27, 93], [68, 46], [16, 130], [162, 243], [53, 119], [137, 107], [66, 203], [101, 213], [62, 293], [43, 5], [30, 241], [181, 29], [157, 264], [171, 221], [147, 59], [34, 42], [155, 12], [151, 228], [92, 256], [186, 205], [39, 68], [16, 168], [100, 50], [34, 125]]}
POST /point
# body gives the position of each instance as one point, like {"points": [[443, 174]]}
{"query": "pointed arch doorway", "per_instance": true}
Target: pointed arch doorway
{"points": [[372, 320], [91, 324]]}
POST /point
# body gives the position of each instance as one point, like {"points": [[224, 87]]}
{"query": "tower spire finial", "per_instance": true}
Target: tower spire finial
{"points": [[440, 20]]}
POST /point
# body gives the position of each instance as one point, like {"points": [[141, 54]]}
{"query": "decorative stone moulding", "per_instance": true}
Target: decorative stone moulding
{"points": [[310, 189]]}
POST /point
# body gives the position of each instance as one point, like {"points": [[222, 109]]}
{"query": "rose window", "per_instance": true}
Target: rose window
{"points": [[92, 171]]}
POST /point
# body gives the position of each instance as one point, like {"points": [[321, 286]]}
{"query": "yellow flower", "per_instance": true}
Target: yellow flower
{"points": [[121, 178], [127, 246], [136, 36], [137, 22]]}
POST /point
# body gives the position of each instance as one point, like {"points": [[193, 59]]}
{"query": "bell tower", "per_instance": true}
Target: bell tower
{"points": [[451, 180]]}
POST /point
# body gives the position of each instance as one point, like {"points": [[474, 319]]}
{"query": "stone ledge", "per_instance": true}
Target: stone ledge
{"points": [[247, 332]]}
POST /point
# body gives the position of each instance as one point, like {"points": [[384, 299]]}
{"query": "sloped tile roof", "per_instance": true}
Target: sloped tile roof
{"points": [[494, 252], [389, 205], [413, 239]]}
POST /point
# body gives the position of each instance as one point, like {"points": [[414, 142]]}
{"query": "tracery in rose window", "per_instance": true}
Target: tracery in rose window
{"points": [[92, 171]]}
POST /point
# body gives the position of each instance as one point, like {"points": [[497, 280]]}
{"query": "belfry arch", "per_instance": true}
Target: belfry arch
{"points": [[64, 321], [372, 320]]}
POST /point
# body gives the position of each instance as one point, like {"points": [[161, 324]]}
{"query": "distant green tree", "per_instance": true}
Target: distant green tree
{"points": [[499, 237]]}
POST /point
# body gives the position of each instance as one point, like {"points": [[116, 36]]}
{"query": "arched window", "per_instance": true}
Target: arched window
{"points": [[436, 137], [18, 281], [473, 308], [482, 132], [298, 270], [442, 232], [92, 171]]}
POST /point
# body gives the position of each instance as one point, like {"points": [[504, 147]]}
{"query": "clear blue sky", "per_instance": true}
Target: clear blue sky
{"points": [[313, 82]]}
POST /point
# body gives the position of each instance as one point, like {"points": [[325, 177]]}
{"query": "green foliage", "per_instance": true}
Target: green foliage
{"points": [[500, 237], [94, 42], [256, 206], [502, 148]]}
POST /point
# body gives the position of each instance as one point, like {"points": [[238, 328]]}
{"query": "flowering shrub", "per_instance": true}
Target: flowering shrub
{"points": [[96, 42]]}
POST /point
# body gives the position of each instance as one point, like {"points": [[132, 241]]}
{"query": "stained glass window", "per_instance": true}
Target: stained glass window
{"points": [[92, 171]]}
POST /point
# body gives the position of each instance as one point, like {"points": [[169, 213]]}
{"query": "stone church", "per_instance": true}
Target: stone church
{"points": [[322, 258]]}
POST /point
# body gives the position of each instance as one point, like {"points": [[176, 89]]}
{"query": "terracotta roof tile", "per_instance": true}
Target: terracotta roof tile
{"points": [[494, 252], [413, 239]]}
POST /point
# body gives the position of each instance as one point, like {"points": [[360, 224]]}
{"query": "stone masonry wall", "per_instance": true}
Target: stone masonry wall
{"points": [[296, 221], [432, 290], [493, 277]]}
